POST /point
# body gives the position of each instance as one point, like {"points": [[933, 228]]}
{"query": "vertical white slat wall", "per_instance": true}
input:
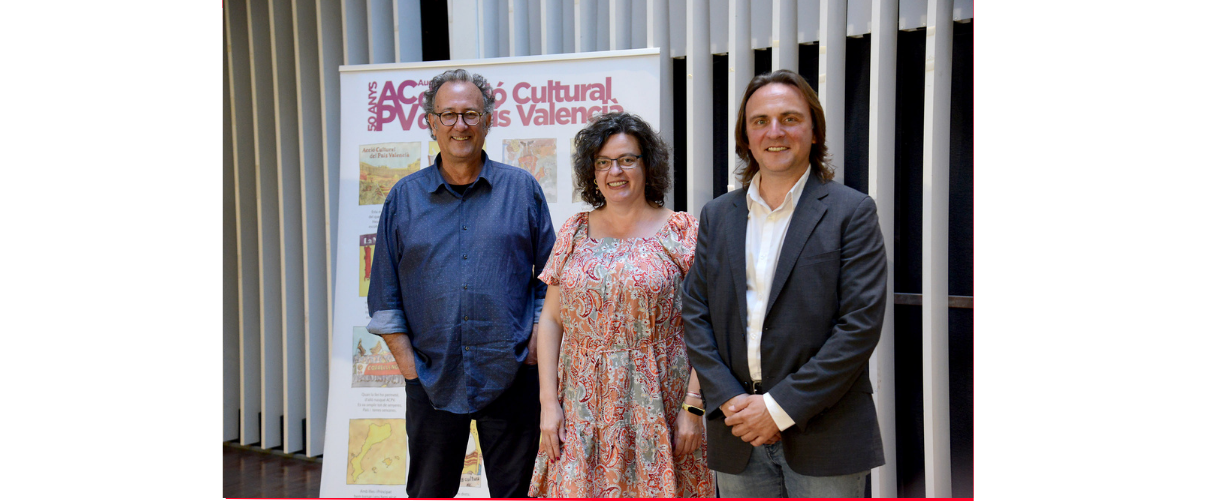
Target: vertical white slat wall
{"points": [[355, 31], [718, 36], [332, 52], [281, 77], [407, 31], [313, 209], [699, 115], [338, 47], [857, 17], [935, 210], [535, 32], [551, 25], [761, 27], [740, 72], [381, 27], [603, 25], [464, 43], [619, 22], [808, 22], [519, 43], [639, 23], [330, 56], [658, 35], [288, 183], [785, 37], [487, 10], [585, 29], [230, 294], [242, 129], [282, 70], [881, 187], [268, 213], [504, 28], [677, 28], [832, 80], [568, 31]]}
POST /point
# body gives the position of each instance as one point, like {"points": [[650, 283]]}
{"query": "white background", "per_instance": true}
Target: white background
{"points": [[1088, 254]]}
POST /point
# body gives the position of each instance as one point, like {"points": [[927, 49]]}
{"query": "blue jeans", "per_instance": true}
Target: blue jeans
{"points": [[769, 476]]}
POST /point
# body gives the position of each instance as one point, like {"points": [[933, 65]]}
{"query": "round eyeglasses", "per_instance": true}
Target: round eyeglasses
{"points": [[625, 162], [470, 118]]}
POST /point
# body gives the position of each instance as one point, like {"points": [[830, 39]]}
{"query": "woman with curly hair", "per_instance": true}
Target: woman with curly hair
{"points": [[620, 409]]}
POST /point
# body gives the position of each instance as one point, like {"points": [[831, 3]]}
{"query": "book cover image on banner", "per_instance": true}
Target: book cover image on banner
{"points": [[368, 243], [383, 165], [537, 156], [540, 103], [374, 364], [432, 151], [473, 470]]}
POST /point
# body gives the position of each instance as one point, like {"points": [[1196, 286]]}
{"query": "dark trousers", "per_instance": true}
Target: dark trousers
{"points": [[509, 429]]}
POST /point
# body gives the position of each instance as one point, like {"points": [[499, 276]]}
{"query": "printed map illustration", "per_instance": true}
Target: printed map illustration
{"points": [[537, 156], [376, 452]]}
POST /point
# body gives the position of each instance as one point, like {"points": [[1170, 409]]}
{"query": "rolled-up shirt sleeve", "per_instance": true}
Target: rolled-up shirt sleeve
{"points": [[388, 322], [384, 291]]}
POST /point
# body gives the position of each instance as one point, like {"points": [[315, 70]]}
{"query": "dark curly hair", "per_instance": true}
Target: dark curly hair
{"points": [[819, 154], [654, 156]]}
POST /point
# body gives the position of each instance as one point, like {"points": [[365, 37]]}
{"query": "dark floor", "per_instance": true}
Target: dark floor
{"points": [[251, 472]]}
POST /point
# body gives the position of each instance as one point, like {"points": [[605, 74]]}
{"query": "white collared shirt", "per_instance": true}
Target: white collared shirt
{"points": [[764, 235]]}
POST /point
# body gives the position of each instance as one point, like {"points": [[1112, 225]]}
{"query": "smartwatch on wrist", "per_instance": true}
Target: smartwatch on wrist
{"points": [[693, 410]]}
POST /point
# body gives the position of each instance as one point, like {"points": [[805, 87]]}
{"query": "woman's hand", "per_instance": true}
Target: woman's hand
{"points": [[688, 433], [552, 429]]}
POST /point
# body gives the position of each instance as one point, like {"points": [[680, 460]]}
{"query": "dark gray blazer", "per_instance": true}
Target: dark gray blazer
{"points": [[823, 320]]}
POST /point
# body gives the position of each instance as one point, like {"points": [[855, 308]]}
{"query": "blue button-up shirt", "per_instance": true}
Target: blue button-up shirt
{"points": [[457, 273]]}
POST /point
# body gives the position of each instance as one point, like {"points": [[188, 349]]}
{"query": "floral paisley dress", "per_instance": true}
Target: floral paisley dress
{"points": [[623, 372]]}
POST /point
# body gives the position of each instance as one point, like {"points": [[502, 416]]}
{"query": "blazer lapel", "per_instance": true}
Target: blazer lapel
{"points": [[808, 212], [738, 219]]}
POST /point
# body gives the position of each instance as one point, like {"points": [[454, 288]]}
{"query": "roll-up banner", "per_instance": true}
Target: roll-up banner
{"points": [[541, 102]]}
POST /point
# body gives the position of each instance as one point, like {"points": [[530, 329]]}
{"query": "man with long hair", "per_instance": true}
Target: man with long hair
{"points": [[783, 308]]}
